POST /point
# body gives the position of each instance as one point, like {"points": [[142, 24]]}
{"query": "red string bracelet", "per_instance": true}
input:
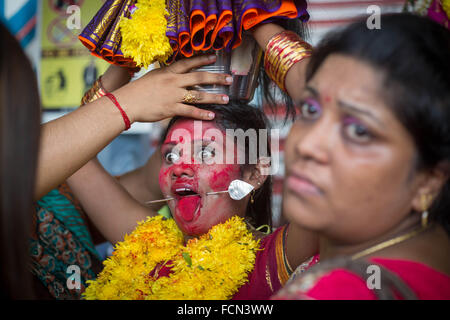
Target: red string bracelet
{"points": [[124, 115]]}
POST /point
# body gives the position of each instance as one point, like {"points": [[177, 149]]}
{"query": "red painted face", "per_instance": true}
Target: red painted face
{"points": [[188, 173]]}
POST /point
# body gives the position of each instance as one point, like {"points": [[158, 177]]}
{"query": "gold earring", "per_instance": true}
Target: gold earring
{"points": [[425, 199], [251, 196]]}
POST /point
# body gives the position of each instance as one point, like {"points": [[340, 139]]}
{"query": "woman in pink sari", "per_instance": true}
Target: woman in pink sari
{"points": [[368, 163]]}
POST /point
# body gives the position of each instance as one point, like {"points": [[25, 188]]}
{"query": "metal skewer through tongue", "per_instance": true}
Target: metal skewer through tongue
{"points": [[237, 190]]}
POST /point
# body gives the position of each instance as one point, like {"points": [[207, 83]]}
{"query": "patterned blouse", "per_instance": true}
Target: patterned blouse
{"points": [[63, 255]]}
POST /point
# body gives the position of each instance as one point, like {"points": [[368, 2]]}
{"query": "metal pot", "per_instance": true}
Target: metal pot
{"points": [[242, 63]]}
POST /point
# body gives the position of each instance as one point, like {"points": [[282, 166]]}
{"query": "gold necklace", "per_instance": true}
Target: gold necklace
{"points": [[388, 243]]}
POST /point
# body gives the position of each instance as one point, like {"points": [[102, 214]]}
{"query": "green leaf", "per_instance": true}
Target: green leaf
{"points": [[187, 258], [262, 227], [165, 212]]}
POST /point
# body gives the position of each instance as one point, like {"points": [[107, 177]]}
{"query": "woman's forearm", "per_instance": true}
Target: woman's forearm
{"points": [[142, 183], [109, 206], [69, 142], [295, 78], [115, 77], [57, 141], [264, 32]]}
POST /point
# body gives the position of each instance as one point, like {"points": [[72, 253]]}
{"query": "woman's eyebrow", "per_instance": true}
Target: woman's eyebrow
{"points": [[347, 106], [359, 110], [313, 91]]}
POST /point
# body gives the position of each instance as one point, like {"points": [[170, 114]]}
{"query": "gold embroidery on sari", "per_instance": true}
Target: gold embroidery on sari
{"points": [[269, 281], [109, 16], [282, 268]]}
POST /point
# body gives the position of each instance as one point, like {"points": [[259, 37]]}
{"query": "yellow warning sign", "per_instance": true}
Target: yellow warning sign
{"points": [[68, 69]]}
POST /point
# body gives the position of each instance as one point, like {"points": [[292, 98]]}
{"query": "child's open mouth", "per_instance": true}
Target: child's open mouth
{"points": [[188, 202]]}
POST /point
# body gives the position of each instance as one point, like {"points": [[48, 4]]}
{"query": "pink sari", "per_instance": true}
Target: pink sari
{"points": [[272, 269], [341, 284]]}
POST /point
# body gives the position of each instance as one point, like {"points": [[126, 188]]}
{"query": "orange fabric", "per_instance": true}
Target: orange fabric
{"points": [[87, 43], [283, 272], [182, 44], [107, 55], [211, 22], [201, 26], [224, 19], [206, 30], [185, 44], [197, 24], [252, 17]]}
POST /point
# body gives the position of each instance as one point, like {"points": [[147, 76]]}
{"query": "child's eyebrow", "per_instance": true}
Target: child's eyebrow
{"points": [[171, 142]]}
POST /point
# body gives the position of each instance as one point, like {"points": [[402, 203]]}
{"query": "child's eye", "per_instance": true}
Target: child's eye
{"points": [[172, 157], [309, 110], [206, 153]]}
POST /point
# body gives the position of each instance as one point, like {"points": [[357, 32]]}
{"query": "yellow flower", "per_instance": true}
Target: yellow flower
{"points": [[446, 7], [213, 266], [144, 34]]}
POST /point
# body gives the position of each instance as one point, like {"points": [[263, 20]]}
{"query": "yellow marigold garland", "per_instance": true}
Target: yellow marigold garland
{"points": [[144, 35], [213, 266], [446, 7]]}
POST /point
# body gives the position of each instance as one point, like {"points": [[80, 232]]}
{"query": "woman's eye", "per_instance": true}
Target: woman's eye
{"points": [[309, 111], [172, 157], [357, 132], [206, 153]]}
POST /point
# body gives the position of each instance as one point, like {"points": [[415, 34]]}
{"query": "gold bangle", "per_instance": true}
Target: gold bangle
{"points": [[292, 57], [95, 92], [282, 51]]}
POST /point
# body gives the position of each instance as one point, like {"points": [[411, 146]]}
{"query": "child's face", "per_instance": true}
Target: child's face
{"points": [[184, 172]]}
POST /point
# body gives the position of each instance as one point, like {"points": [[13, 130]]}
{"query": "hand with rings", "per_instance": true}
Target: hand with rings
{"points": [[190, 97], [162, 93]]}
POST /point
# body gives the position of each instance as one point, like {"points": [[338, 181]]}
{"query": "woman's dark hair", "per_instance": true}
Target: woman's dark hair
{"points": [[19, 140], [413, 53], [241, 116]]}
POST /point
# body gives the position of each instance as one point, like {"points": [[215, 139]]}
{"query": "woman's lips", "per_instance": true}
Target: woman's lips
{"points": [[302, 185]]}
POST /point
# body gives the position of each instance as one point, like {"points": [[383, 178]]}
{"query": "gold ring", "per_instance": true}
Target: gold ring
{"points": [[190, 97]]}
